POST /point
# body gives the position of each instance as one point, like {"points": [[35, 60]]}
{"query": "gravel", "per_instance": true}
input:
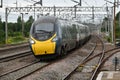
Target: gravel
{"points": [[59, 70], [13, 49], [17, 63], [109, 65], [80, 76], [22, 72], [85, 72]]}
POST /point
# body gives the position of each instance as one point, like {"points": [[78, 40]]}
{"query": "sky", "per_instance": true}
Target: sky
{"points": [[55, 2], [11, 3]]}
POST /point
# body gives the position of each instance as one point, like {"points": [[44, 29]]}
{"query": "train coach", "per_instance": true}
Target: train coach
{"points": [[51, 36]]}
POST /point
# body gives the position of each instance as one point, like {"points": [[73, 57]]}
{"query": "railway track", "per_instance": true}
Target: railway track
{"points": [[84, 60], [103, 60], [15, 56], [103, 56], [50, 64], [13, 50], [14, 70], [10, 47], [43, 65], [100, 60], [67, 77], [106, 52], [22, 69], [40, 68]]}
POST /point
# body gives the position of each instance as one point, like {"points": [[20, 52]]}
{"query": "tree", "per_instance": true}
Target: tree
{"points": [[104, 24], [1, 25], [2, 32], [117, 16], [117, 25], [28, 25], [19, 24]]}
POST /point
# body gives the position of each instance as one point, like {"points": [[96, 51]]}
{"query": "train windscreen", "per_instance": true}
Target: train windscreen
{"points": [[43, 31]]}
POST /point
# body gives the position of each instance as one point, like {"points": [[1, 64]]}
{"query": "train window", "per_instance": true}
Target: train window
{"points": [[44, 27], [43, 31]]}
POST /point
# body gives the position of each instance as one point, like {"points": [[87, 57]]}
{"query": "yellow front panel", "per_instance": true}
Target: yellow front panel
{"points": [[43, 47]]}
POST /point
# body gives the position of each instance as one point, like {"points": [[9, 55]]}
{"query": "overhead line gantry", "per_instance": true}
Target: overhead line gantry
{"points": [[61, 12]]}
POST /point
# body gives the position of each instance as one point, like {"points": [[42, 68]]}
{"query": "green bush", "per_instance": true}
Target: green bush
{"points": [[108, 38], [17, 39], [2, 37]]}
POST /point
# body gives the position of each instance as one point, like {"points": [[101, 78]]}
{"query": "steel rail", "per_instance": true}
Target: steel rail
{"points": [[67, 77], [14, 46], [3, 74], [90, 58], [100, 60], [11, 57], [46, 66]]}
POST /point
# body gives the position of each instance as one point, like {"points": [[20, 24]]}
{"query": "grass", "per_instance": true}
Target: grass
{"points": [[18, 39]]}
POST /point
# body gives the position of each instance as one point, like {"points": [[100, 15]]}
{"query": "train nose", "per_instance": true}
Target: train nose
{"points": [[42, 48]]}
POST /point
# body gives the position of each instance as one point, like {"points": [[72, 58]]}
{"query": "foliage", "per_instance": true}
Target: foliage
{"points": [[108, 38], [104, 24], [2, 33], [15, 30], [117, 26], [2, 38], [28, 25], [17, 39], [105, 20], [117, 16]]}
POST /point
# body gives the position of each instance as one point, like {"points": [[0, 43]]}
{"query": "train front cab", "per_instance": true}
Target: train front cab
{"points": [[44, 48]]}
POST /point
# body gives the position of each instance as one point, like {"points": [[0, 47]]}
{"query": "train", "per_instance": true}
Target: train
{"points": [[51, 36]]}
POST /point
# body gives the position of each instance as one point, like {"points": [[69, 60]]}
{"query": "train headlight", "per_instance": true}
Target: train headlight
{"points": [[55, 39], [32, 41]]}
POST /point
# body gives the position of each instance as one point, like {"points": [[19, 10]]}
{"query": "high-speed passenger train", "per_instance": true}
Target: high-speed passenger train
{"points": [[51, 36]]}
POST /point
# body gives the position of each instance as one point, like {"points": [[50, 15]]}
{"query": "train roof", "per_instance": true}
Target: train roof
{"points": [[43, 19], [52, 19]]}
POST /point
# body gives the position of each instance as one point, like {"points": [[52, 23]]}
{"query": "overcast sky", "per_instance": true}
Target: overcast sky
{"points": [[55, 2], [10, 3]]}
